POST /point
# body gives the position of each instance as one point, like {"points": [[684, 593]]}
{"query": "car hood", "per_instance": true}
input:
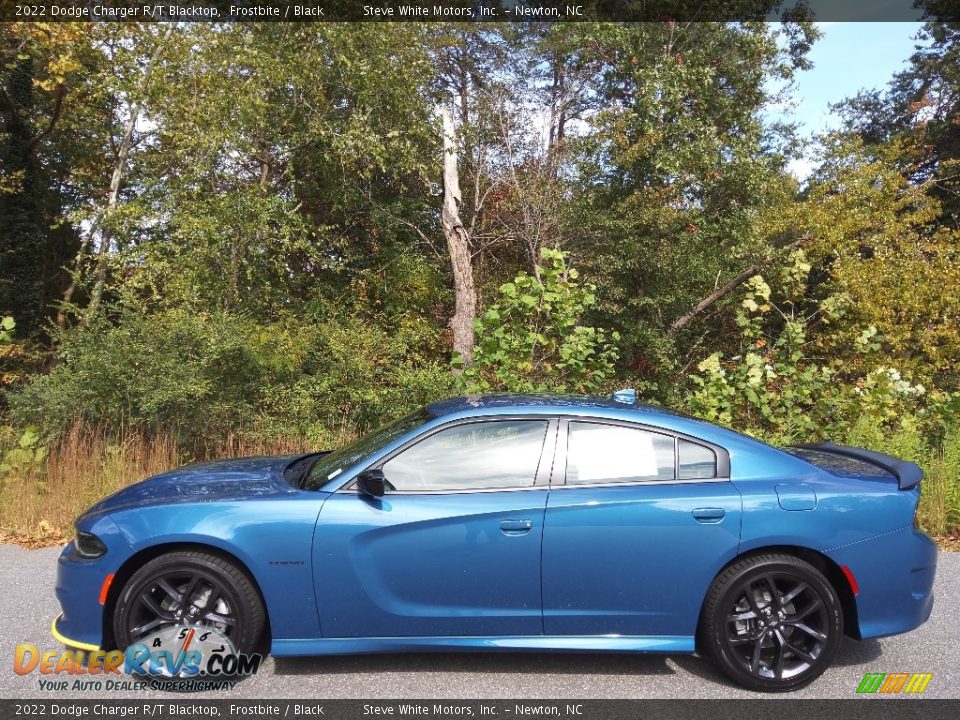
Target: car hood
{"points": [[219, 481]]}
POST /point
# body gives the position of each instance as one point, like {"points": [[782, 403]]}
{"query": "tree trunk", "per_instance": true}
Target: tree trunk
{"points": [[458, 245], [119, 169]]}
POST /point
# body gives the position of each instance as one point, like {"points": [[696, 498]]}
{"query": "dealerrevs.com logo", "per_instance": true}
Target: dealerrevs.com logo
{"points": [[894, 683], [181, 657]]}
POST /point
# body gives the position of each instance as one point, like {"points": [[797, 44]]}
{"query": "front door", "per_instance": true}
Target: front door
{"points": [[634, 536], [453, 549]]}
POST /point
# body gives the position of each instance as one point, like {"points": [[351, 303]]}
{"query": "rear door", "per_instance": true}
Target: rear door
{"points": [[638, 522], [453, 548]]}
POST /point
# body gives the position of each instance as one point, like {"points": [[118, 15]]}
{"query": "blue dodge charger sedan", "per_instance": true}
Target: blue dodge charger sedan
{"points": [[516, 522]]}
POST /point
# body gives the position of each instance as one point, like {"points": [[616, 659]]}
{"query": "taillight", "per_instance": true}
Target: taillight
{"points": [[848, 573]]}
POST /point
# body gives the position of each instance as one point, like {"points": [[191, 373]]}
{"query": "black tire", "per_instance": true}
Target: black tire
{"points": [[773, 622], [238, 610]]}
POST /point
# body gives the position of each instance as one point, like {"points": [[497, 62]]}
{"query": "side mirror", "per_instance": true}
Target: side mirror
{"points": [[372, 483]]}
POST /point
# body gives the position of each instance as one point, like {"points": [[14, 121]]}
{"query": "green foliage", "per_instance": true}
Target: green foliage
{"points": [[212, 374], [776, 389], [950, 480], [533, 340], [177, 368], [7, 326], [679, 176], [342, 376], [28, 453], [879, 243]]}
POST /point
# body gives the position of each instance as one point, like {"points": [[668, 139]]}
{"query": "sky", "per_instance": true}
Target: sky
{"points": [[849, 57]]}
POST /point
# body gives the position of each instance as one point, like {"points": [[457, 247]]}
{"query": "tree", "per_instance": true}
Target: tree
{"points": [[458, 245], [921, 109], [40, 71], [533, 339], [678, 177], [101, 222], [878, 243], [776, 385]]}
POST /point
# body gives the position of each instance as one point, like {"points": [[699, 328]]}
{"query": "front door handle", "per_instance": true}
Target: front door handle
{"points": [[709, 515], [516, 527]]}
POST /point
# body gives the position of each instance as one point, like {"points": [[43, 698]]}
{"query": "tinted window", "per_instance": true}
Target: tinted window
{"points": [[327, 467], [614, 454], [842, 465], [695, 461], [476, 456]]}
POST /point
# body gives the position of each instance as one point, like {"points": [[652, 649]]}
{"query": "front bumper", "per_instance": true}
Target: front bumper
{"points": [[79, 585], [895, 574], [78, 590], [70, 642]]}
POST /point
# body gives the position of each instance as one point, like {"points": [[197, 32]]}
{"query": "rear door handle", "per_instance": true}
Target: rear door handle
{"points": [[516, 527], [709, 515]]}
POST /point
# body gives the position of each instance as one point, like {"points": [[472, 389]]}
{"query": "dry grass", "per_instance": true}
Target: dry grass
{"points": [[940, 501], [38, 506]]}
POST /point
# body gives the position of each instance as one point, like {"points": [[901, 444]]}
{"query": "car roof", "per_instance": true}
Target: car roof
{"points": [[519, 401]]}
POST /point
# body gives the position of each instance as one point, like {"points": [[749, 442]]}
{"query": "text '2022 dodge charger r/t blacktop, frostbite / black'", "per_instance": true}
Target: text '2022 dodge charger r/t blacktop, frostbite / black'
{"points": [[517, 523]]}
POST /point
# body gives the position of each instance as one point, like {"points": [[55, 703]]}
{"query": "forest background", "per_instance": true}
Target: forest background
{"points": [[256, 238]]}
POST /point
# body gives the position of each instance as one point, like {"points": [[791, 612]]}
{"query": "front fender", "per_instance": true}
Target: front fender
{"points": [[271, 537]]}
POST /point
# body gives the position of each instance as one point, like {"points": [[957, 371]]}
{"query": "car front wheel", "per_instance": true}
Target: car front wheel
{"points": [[189, 589], [772, 622]]}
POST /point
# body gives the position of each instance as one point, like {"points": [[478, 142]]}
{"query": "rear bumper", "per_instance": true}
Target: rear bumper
{"points": [[895, 574]]}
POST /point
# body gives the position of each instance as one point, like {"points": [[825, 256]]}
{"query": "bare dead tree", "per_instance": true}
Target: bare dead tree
{"points": [[458, 243]]}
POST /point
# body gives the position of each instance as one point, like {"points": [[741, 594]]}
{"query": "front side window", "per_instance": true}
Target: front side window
{"points": [[473, 456], [598, 454], [327, 467]]}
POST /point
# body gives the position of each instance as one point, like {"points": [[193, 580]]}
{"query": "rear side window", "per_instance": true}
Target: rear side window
{"points": [[695, 462], [598, 454]]}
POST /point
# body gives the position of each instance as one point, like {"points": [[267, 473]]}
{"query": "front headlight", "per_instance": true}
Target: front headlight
{"points": [[88, 545]]}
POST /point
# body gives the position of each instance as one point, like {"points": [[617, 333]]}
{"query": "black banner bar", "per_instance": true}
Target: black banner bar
{"points": [[782, 707], [475, 10]]}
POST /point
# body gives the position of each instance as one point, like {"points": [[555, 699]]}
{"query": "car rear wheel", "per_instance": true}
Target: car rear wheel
{"points": [[189, 588], [772, 622]]}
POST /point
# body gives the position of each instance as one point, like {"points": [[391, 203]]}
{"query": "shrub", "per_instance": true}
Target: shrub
{"points": [[205, 376], [778, 388], [173, 369], [533, 338]]}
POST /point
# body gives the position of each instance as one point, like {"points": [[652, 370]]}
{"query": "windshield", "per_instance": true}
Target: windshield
{"points": [[329, 466]]}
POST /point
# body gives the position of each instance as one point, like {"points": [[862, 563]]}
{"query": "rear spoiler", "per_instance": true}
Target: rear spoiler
{"points": [[908, 474]]}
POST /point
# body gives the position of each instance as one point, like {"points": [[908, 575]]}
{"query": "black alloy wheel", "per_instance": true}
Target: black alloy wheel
{"points": [[189, 597], [189, 588], [773, 622]]}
